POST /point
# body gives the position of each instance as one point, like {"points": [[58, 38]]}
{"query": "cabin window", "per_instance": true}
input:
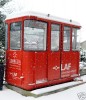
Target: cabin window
{"points": [[55, 31], [75, 43], [15, 36], [6, 34], [66, 39], [35, 35]]}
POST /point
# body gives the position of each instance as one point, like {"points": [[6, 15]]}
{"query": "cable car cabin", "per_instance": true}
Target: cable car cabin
{"points": [[41, 50]]}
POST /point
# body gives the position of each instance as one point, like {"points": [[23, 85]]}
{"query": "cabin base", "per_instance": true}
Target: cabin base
{"points": [[44, 91]]}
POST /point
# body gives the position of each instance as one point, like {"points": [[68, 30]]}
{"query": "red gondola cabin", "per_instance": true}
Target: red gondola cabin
{"points": [[41, 50]]}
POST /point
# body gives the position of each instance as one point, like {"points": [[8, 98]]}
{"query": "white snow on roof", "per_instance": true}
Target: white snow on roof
{"points": [[46, 16]]}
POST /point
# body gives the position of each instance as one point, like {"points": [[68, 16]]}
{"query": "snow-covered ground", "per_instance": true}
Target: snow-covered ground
{"points": [[75, 93], [82, 65]]}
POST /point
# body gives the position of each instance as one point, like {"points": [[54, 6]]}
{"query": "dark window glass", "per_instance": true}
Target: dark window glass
{"points": [[35, 35], [55, 31], [15, 35], [75, 43], [66, 39]]}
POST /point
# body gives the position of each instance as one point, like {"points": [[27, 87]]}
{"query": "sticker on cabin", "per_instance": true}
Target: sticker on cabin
{"points": [[14, 55], [66, 70], [14, 75], [15, 61], [56, 67], [66, 67]]}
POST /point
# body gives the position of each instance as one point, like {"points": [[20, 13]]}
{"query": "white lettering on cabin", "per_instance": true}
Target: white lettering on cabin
{"points": [[66, 67], [13, 74], [15, 61]]}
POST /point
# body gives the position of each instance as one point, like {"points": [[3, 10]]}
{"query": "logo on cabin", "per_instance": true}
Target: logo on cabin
{"points": [[15, 60], [14, 55], [55, 67], [66, 67]]}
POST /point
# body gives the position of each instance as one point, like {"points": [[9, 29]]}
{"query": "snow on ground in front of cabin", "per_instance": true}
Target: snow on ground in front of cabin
{"points": [[71, 94], [82, 65]]}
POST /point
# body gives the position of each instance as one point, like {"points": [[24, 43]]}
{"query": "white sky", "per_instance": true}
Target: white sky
{"points": [[69, 9]]}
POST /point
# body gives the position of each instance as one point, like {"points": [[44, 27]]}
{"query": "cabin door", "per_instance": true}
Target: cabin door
{"points": [[66, 53], [54, 53]]}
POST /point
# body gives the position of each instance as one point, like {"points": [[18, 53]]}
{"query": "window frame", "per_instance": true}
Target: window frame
{"points": [[20, 35], [75, 37], [69, 49], [6, 36], [45, 36], [53, 50]]}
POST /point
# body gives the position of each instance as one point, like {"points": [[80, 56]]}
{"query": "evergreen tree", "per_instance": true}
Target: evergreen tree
{"points": [[2, 24], [3, 2], [2, 29]]}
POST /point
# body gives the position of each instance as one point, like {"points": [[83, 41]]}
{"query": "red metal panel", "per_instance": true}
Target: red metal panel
{"points": [[70, 64], [40, 67], [34, 68], [14, 67], [28, 68], [53, 65], [74, 63], [65, 64], [14, 76]]}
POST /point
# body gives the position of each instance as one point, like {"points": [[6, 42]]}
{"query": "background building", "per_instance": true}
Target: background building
{"points": [[83, 45]]}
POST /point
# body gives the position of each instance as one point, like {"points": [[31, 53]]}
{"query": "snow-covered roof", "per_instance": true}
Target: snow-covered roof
{"points": [[46, 16]]}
